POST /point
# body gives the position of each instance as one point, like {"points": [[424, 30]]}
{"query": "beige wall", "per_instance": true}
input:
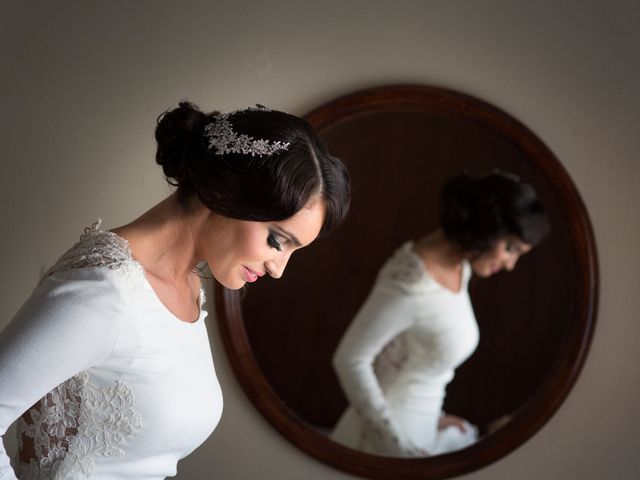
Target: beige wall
{"points": [[82, 83]]}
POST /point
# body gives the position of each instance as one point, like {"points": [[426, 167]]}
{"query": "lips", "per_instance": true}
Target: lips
{"points": [[250, 275]]}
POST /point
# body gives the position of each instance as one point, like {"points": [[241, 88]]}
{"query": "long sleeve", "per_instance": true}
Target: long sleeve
{"points": [[69, 323], [385, 314]]}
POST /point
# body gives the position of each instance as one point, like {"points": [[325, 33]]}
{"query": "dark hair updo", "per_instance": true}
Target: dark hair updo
{"points": [[478, 211], [245, 187]]}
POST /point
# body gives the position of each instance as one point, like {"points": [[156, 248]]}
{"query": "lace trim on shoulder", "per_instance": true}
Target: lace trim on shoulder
{"points": [[99, 248], [404, 266], [74, 423]]}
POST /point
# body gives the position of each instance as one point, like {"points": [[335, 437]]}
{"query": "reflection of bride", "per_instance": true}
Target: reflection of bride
{"points": [[417, 325]]}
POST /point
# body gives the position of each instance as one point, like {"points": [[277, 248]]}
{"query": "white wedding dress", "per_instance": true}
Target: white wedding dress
{"points": [[397, 357], [114, 386]]}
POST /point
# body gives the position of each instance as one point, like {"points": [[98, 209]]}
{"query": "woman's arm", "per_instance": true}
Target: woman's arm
{"points": [[69, 323], [383, 316]]}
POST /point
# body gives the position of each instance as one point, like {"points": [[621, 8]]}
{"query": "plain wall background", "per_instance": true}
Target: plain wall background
{"points": [[83, 81]]}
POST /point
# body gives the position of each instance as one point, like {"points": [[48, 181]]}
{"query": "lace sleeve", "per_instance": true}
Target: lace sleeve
{"points": [[70, 323], [384, 315]]}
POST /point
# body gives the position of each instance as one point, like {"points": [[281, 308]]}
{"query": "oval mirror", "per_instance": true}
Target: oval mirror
{"points": [[400, 143]]}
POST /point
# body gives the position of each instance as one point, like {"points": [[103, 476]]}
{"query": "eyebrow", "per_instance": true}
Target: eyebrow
{"points": [[293, 238]]}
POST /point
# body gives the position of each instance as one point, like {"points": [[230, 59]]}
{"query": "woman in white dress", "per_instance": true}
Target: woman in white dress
{"points": [[107, 365], [417, 324]]}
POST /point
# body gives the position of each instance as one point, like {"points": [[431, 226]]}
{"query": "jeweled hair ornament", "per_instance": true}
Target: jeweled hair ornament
{"points": [[509, 175], [224, 139]]}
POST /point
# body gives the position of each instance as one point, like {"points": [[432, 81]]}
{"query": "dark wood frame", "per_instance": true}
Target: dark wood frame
{"points": [[567, 367]]}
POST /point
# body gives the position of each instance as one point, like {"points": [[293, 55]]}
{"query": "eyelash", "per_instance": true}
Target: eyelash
{"points": [[273, 242]]}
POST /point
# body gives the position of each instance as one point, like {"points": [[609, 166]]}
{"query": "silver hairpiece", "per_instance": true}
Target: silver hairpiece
{"points": [[223, 138], [509, 175]]}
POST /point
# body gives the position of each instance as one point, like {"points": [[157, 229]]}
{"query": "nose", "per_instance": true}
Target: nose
{"points": [[275, 268], [511, 263]]}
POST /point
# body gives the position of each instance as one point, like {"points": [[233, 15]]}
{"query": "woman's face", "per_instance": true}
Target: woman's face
{"points": [[240, 251], [503, 256]]}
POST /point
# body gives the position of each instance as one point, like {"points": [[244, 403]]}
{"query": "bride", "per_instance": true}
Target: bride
{"points": [[417, 324]]}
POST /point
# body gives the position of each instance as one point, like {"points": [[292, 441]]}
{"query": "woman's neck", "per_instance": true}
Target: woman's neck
{"points": [[443, 260], [435, 249], [164, 238]]}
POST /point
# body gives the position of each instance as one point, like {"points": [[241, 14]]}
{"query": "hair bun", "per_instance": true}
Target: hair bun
{"points": [[178, 133], [457, 199], [478, 210]]}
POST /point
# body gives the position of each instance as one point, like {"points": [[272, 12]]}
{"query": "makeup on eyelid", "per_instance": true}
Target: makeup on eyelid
{"points": [[273, 242]]}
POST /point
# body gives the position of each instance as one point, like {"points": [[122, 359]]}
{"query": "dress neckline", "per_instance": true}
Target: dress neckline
{"points": [[465, 274], [124, 243]]}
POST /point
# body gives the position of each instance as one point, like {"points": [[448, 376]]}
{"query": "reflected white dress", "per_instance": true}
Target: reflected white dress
{"points": [[397, 357], [115, 386]]}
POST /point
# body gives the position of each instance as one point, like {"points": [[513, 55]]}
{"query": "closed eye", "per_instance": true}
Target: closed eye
{"points": [[511, 247], [273, 242]]}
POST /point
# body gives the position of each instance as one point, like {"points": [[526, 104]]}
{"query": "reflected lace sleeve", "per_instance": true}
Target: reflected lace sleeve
{"points": [[381, 319]]}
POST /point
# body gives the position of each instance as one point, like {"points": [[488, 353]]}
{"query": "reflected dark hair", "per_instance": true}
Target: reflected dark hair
{"points": [[477, 211], [245, 187]]}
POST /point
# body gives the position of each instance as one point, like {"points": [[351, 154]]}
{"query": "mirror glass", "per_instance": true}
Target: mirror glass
{"points": [[400, 144]]}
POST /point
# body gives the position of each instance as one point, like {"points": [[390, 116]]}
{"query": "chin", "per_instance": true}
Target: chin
{"points": [[231, 284], [234, 286]]}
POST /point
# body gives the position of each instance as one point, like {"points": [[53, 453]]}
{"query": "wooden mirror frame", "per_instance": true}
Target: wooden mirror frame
{"points": [[567, 367]]}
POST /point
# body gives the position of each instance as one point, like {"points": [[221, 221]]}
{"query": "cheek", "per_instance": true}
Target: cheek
{"points": [[247, 250], [479, 268], [250, 247], [484, 262], [244, 245], [496, 255], [484, 259]]}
